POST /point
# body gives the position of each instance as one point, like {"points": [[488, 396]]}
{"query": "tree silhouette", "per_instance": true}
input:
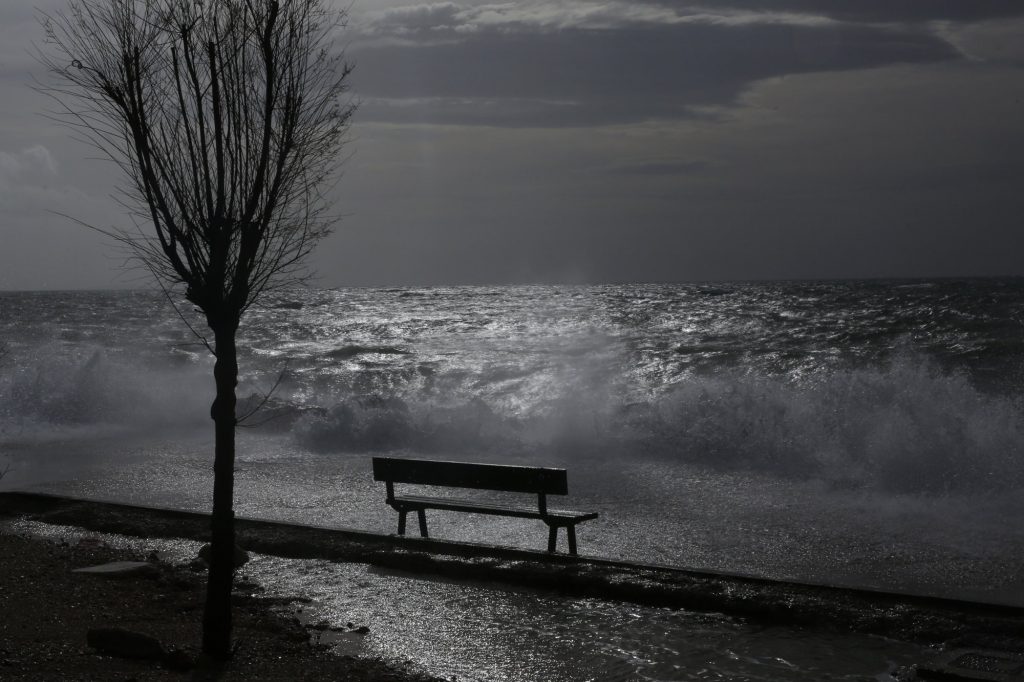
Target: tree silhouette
{"points": [[226, 118]]}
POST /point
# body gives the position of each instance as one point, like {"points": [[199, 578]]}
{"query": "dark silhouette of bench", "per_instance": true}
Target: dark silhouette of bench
{"points": [[541, 481]]}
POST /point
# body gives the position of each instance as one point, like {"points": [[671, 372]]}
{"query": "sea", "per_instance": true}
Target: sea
{"points": [[864, 433]]}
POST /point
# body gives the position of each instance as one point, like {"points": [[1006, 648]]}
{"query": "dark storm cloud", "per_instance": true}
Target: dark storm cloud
{"points": [[894, 149], [873, 10], [580, 76]]}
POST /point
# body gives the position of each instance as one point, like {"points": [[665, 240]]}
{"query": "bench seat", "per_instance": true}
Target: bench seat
{"points": [[413, 502]]}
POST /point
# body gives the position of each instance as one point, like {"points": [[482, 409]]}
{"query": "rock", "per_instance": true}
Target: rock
{"points": [[125, 643], [241, 556], [362, 630], [121, 569]]}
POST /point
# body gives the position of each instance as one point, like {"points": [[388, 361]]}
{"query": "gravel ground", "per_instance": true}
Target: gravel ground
{"points": [[46, 611]]}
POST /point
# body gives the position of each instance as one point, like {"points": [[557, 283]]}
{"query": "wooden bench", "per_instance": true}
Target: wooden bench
{"points": [[541, 481]]}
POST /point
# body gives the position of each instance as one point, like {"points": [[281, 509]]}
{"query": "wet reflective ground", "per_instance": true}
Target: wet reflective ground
{"points": [[488, 632], [651, 511]]}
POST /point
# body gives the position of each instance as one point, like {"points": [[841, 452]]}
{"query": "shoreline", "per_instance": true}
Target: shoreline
{"points": [[912, 618], [49, 611]]}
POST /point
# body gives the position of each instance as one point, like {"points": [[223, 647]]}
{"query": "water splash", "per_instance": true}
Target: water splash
{"points": [[904, 426], [88, 387], [873, 384]]}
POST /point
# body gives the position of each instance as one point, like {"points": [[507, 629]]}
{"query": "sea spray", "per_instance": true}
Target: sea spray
{"points": [[54, 388], [906, 425], [887, 386], [903, 426], [866, 433]]}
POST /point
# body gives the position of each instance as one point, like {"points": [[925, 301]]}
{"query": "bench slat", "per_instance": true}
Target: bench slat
{"points": [[502, 477], [474, 506]]}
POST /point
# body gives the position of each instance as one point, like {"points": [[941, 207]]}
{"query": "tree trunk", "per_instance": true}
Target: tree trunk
{"points": [[217, 616]]}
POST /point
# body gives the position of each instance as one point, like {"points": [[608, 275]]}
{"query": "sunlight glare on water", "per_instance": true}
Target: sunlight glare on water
{"points": [[489, 633], [486, 632], [866, 433]]}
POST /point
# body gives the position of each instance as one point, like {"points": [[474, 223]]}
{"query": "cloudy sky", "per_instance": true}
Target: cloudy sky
{"points": [[605, 141]]}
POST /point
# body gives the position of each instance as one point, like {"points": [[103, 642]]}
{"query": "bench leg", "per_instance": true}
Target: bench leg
{"points": [[401, 522], [552, 537], [571, 532], [423, 522]]}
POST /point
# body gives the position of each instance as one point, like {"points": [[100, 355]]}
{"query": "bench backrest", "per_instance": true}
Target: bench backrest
{"points": [[503, 477]]}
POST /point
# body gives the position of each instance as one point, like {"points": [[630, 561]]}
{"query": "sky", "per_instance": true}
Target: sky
{"points": [[586, 141]]}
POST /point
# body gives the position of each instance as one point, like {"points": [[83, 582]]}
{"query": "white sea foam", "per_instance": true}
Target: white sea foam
{"points": [[903, 426], [854, 384]]}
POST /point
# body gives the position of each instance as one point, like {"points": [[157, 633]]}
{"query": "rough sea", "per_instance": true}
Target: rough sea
{"points": [[866, 433]]}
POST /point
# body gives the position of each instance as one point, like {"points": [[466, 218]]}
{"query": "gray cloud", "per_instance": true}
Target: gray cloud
{"points": [[876, 10], [453, 19], [469, 15], [417, 19], [589, 76], [672, 168], [776, 138], [996, 41], [28, 166]]}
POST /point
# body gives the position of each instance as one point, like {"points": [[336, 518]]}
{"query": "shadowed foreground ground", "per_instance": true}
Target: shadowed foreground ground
{"points": [[46, 611], [51, 609]]}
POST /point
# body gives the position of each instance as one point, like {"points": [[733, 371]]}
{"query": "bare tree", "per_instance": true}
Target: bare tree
{"points": [[226, 118]]}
